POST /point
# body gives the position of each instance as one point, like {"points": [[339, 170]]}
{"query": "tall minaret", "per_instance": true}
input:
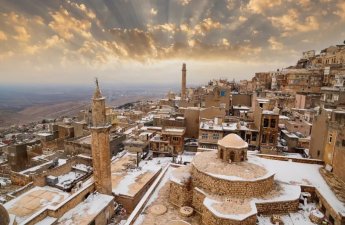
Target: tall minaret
{"points": [[183, 88], [100, 144]]}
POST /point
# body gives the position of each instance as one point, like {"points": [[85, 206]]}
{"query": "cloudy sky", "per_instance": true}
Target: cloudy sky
{"points": [[146, 41]]}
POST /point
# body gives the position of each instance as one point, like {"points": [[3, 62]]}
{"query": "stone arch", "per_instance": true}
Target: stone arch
{"points": [[232, 156], [221, 153], [242, 155]]}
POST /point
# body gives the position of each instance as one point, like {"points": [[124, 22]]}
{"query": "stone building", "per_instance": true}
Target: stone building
{"points": [[221, 191], [169, 142], [319, 134], [266, 122], [334, 154], [332, 97]]}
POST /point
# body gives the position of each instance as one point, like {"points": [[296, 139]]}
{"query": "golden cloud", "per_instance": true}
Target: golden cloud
{"points": [[68, 26], [290, 22], [21, 34], [3, 36], [260, 6]]}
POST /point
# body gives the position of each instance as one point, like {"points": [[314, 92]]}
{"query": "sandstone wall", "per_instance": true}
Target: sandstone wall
{"points": [[231, 188], [180, 195], [277, 207], [197, 201], [209, 219]]}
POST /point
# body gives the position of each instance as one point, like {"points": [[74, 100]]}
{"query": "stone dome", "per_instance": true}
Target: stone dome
{"points": [[233, 141], [4, 217]]}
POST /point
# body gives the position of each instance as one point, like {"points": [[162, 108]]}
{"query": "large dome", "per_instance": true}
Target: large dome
{"points": [[233, 141]]}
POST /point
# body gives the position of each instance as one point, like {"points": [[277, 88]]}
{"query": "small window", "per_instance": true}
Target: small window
{"points": [[176, 138], [254, 136], [266, 122], [273, 123], [272, 137], [343, 143], [330, 138], [204, 136], [216, 136], [318, 153], [263, 139]]}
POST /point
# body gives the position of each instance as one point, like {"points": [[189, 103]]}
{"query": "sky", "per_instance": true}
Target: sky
{"points": [[127, 42]]}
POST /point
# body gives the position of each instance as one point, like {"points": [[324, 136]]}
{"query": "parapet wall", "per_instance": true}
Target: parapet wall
{"points": [[230, 188], [298, 160], [208, 218]]}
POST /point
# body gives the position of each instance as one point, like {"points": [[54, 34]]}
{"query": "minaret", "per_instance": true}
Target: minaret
{"points": [[100, 144], [183, 88]]}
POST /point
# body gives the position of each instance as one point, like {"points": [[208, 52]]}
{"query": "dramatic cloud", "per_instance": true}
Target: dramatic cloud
{"points": [[66, 33]]}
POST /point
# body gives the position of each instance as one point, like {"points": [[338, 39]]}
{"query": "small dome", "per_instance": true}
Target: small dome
{"points": [[233, 141]]}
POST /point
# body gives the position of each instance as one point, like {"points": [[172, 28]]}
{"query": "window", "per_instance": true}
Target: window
{"points": [[176, 138], [216, 136], [204, 136], [272, 137], [254, 136], [266, 122], [222, 93], [330, 137], [343, 143], [263, 139], [318, 153], [273, 123]]}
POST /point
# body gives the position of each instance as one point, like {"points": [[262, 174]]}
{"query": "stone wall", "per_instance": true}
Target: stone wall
{"points": [[180, 195], [298, 160], [209, 219], [40, 179], [269, 208], [231, 188], [19, 179], [328, 210], [197, 200]]}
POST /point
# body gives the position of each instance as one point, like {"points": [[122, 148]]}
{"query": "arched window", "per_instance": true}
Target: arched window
{"points": [[232, 156]]}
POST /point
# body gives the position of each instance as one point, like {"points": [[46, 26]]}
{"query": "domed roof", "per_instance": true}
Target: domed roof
{"points": [[232, 141]]}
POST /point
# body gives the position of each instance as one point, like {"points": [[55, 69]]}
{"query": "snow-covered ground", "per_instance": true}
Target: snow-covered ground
{"points": [[300, 174]]}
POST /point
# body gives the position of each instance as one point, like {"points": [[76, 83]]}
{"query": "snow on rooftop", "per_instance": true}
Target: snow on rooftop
{"points": [[181, 175], [86, 211], [129, 181], [34, 200], [233, 141], [301, 174], [209, 163]]}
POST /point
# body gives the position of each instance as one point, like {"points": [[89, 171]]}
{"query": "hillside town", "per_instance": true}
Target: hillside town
{"points": [[268, 150]]}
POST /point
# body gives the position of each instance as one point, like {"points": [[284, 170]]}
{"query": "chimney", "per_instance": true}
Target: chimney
{"points": [[183, 88]]}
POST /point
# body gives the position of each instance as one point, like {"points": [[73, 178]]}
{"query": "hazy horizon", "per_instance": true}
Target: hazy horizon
{"points": [[136, 42]]}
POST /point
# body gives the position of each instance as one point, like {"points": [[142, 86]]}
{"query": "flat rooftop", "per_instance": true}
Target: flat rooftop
{"points": [[129, 180], [86, 211], [27, 204]]}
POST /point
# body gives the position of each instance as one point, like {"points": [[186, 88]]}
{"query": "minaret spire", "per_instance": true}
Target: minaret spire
{"points": [[100, 147]]}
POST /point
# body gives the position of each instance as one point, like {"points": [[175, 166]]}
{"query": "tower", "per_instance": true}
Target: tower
{"points": [[183, 88], [100, 144]]}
